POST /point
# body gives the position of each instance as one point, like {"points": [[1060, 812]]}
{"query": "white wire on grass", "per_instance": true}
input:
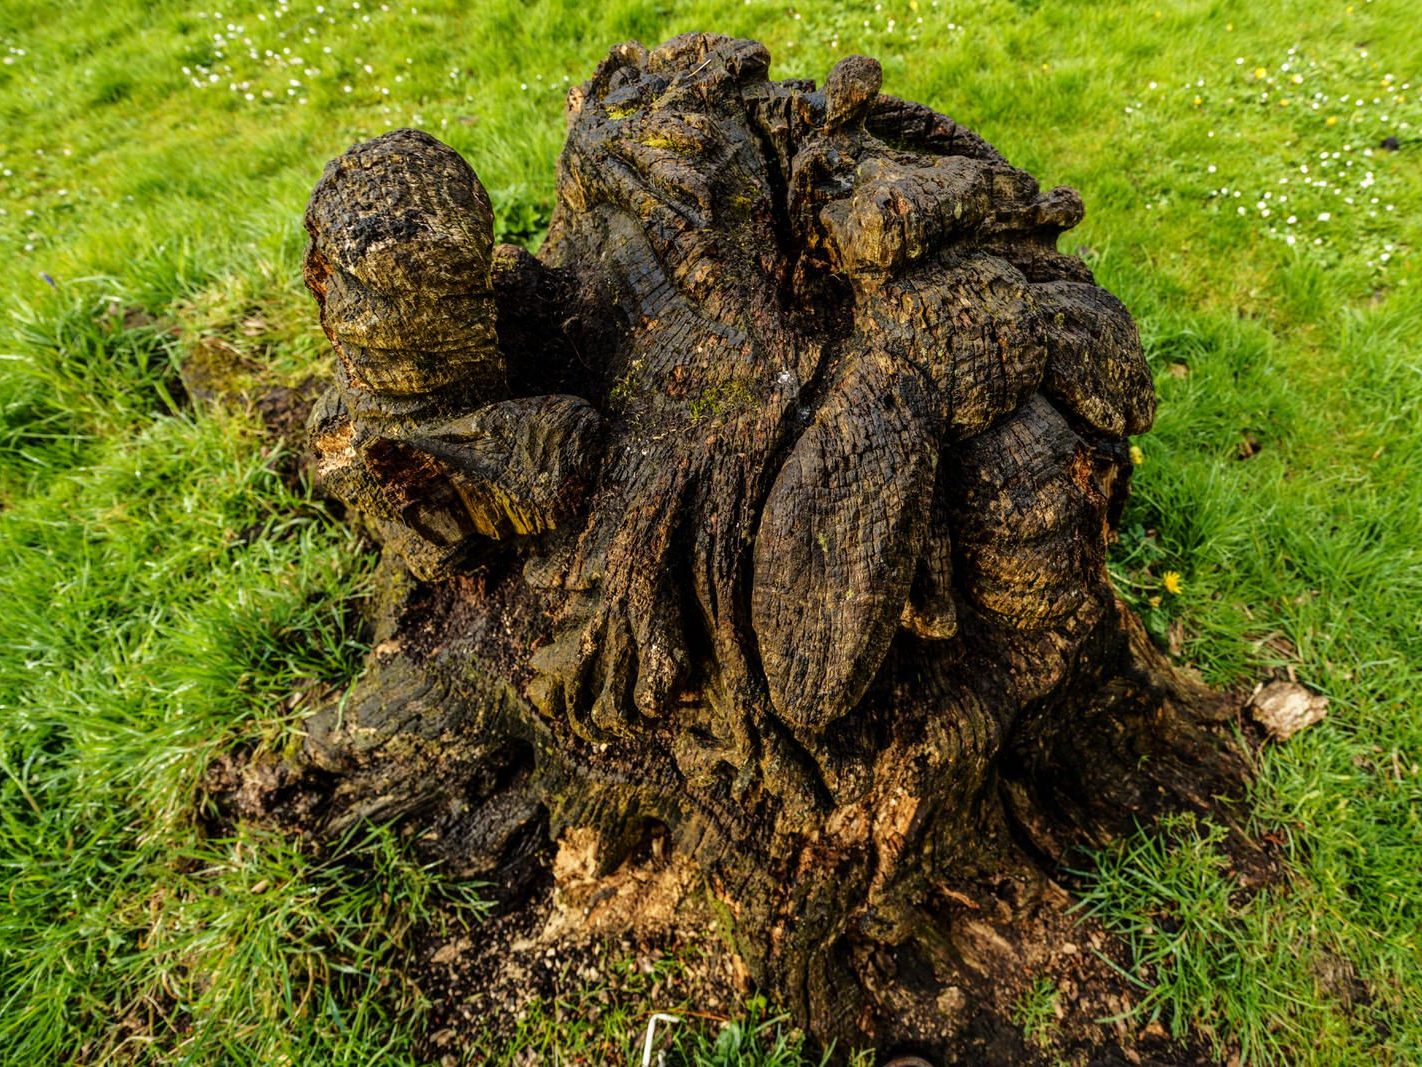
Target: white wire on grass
{"points": [[658, 1017]]}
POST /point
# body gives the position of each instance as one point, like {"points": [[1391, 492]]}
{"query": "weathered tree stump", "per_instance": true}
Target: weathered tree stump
{"points": [[762, 516]]}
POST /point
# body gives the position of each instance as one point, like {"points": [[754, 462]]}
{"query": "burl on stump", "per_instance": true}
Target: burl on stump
{"points": [[762, 515]]}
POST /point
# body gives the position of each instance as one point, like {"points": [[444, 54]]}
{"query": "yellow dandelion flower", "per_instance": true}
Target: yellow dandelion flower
{"points": [[1137, 456], [1199, 100], [1332, 120], [1155, 601], [1173, 582], [1260, 73]]}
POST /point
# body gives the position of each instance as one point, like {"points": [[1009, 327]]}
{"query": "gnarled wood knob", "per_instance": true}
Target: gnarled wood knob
{"points": [[418, 434], [401, 242]]}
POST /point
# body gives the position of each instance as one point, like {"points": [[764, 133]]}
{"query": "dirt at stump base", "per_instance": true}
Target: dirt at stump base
{"points": [[572, 952]]}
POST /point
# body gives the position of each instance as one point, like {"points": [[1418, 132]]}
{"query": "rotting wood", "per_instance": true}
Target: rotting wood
{"points": [[762, 515]]}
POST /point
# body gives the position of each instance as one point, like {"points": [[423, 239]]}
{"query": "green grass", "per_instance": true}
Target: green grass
{"points": [[1036, 1012], [167, 595]]}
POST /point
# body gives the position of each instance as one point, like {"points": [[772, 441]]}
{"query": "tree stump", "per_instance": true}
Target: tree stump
{"points": [[759, 521]]}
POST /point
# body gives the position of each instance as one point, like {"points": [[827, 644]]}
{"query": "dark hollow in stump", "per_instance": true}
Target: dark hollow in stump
{"points": [[762, 516]]}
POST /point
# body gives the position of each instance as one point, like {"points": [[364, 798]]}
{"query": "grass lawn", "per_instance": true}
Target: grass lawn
{"points": [[1254, 195]]}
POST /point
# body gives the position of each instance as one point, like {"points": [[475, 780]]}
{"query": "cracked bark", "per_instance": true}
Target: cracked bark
{"points": [[765, 510]]}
